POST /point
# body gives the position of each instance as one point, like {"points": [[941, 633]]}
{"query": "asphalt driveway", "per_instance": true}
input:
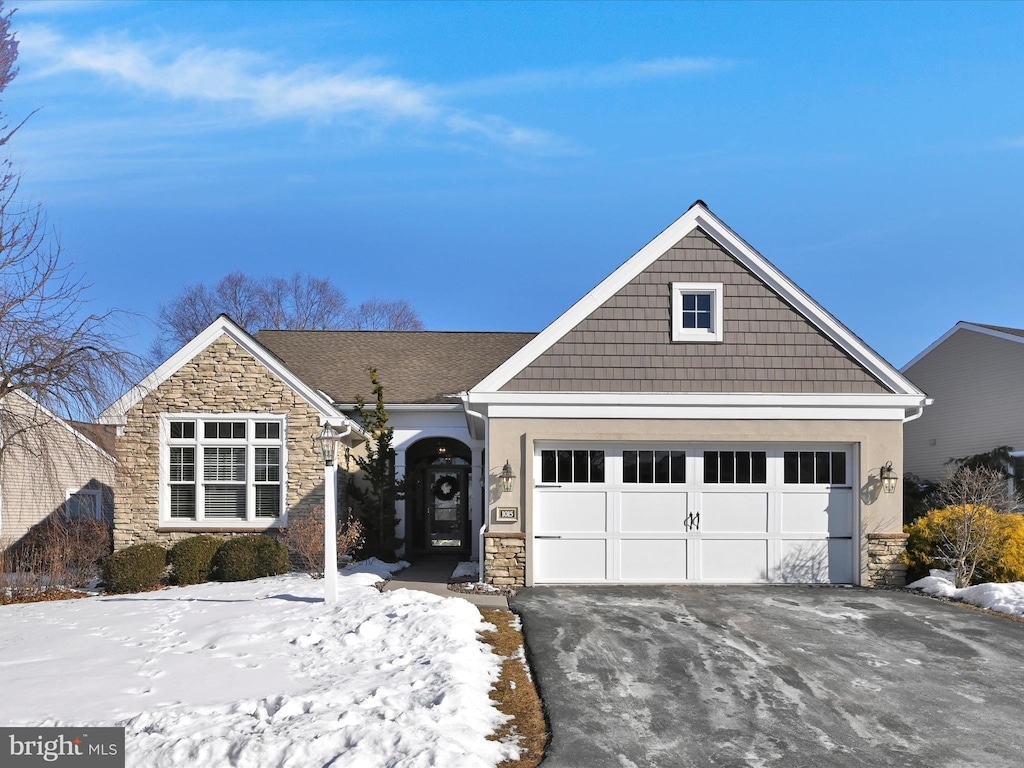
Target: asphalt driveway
{"points": [[773, 676]]}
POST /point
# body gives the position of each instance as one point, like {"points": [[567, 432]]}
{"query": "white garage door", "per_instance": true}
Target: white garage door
{"points": [[694, 513]]}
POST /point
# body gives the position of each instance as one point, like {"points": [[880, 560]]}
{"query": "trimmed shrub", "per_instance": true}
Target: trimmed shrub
{"points": [[191, 559], [997, 539], [250, 557], [135, 569]]}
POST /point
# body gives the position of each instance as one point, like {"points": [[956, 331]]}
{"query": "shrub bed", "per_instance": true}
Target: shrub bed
{"points": [[998, 538], [191, 559], [135, 569], [250, 557]]}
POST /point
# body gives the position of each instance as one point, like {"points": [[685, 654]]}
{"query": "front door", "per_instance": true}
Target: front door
{"points": [[445, 504]]}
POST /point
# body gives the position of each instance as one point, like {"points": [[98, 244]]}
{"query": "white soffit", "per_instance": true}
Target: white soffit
{"points": [[699, 216]]}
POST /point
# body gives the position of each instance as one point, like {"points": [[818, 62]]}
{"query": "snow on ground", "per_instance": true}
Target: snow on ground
{"points": [[1004, 598], [468, 570], [261, 673]]}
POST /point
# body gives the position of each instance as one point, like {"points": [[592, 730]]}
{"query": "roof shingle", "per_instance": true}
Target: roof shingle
{"points": [[414, 366]]}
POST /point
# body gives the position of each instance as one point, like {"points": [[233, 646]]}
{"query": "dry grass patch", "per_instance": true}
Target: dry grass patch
{"points": [[12, 597], [515, 693]]}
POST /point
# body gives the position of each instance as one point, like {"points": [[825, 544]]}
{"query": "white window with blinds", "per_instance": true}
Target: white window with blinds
{"points": [[222, 469]]}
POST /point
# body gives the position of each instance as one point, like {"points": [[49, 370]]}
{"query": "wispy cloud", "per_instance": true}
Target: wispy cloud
{"points": [[231, 75], [1012, 143], [259, 88], [55, 7], [255, 86], [593, 76]]}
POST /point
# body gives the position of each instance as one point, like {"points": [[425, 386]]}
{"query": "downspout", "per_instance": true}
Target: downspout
{"points": [[346, 433], [464, 396], [920, 411]]}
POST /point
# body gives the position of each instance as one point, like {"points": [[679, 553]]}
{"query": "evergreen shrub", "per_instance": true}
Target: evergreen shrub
{"points": [[250, 557], [191, 559], [135, 569]]}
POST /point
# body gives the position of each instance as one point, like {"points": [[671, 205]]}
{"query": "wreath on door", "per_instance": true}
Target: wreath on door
{"points": [[445, 488]]}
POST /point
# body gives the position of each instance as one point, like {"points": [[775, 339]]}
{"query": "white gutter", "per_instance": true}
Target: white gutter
{"points": [[920, 411], [464, 396]]}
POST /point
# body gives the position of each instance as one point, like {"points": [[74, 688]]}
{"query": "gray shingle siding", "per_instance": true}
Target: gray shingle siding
{"points": [[625, 345]]}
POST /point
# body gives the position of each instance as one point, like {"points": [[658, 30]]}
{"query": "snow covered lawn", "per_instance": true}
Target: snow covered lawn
{"points": [[1004, 598], [260, 674]]}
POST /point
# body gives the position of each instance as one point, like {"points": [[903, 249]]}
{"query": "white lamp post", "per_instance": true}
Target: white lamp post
{"points": [[327, 442]]}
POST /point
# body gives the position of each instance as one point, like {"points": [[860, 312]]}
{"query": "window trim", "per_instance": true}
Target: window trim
{"points": [[199, 442], [94, 492], [712, 334]]}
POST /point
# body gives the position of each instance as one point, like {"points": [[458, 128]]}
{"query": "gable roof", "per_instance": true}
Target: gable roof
{"points": [[225, 326], [699, 216], [1001, 329], [92, 435], [103, 435], [997, 331], [414, 366]]}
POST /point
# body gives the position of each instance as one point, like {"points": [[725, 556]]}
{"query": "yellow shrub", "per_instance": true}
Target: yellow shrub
{"points": [[1010, 565], [1000, 559]]}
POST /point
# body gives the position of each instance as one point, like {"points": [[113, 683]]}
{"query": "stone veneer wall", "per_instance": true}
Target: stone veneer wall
{"points": [[223, 378], [505, 558], [885, 560]]}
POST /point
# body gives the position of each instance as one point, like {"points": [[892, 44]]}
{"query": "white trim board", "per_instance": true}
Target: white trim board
{"points": [[225, 326], [692, 412], [715, 399], [963, 326], [698, 216]]}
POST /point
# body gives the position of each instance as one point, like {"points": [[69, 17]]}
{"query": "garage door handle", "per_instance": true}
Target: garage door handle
{"points": [[547, 537]]}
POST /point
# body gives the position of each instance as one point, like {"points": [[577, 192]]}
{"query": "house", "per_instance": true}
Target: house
{"points": [[696, 417], [974, 373], [50, 466]]}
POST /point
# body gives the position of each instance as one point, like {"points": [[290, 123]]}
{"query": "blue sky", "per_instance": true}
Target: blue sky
{"points": [[493, 162]]}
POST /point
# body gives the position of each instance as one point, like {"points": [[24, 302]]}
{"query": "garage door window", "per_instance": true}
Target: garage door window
{"points": [[654, 466], [814, 467], [743, 467], [577, 466]]}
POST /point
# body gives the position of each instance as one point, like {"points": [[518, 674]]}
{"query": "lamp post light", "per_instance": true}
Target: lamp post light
{"points": [[326, 441], [507, 478], [888, 477]]}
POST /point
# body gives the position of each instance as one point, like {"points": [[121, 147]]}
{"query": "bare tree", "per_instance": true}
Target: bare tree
{"points": [[241, 297], [53, 348], [301, 302], [382, 315], [59, 359], [970, 532], [304, 302]]}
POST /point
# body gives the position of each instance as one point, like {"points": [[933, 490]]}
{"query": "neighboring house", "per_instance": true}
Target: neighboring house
{"points": [[975, 373], [694, 418], [50, 466]]}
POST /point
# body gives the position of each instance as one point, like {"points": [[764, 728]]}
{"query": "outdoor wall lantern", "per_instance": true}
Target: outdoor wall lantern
{"points": [[888, 477], [326, 441], [507, 477]]}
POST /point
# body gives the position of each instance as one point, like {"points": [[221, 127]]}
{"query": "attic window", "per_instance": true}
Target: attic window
{"points": [[697, 312]]}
